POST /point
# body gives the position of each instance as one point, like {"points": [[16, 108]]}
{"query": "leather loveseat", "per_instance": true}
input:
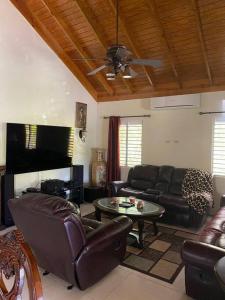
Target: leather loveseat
{"points": [[79, 250], [200, 258], [162, 185]]}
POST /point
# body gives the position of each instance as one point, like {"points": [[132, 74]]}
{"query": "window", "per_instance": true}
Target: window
{"points": [[219, 148], [31, 136], [130, 143]]}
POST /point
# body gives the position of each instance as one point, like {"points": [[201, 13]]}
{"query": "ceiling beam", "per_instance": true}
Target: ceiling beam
{"points": [[154, 13], [134, 48], [47, 36], [162, 92], [96, 27], [68, 31], [202, 40]]}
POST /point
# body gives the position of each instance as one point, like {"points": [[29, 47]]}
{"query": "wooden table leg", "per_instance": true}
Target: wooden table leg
{"points": [[140, 232], [98, 214]]}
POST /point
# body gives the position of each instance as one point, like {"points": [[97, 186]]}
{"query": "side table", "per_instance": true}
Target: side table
{"points": [[92, 193]]}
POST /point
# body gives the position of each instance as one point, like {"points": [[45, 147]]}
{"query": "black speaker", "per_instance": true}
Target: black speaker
{"points": [[76, 182], [7, 191], [77, 175]]}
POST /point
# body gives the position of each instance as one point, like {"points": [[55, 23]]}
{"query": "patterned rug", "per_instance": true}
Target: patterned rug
{"points": [[160, 257]]}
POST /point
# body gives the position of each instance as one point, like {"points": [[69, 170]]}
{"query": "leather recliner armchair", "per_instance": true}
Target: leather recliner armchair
{"points": [[78, 250], [200, 258]]}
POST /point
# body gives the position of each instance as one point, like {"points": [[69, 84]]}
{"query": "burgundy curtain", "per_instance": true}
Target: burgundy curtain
{"points": [[113, 157]]}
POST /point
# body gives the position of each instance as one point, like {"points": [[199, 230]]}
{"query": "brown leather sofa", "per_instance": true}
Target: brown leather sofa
{"points": [[78, 250], [162, 185], [200, 258]]}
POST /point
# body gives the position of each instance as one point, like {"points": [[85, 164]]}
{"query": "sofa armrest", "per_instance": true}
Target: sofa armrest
{"points": [[119, 226], [201, 255], [116, 186]]}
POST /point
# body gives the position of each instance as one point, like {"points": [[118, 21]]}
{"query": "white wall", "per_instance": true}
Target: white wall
{"points": [[36, 87], [180, 137]]}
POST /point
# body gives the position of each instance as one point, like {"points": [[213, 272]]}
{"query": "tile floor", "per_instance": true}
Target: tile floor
{"points": [[121, 284]]}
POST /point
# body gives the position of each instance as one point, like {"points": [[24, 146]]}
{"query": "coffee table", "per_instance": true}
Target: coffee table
{"points": [[150, 211]]}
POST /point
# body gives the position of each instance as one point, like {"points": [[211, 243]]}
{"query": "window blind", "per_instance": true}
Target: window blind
{"points": [[130, 144], [219, 148]]}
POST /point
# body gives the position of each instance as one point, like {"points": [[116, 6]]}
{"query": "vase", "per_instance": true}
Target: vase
{"points": [[98, 169]]}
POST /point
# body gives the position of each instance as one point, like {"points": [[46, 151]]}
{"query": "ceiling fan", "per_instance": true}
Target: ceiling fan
{"points": [[118, 58]]}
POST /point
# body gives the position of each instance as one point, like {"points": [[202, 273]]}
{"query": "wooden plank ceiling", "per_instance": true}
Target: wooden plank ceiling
{"points": [[188, 36]]}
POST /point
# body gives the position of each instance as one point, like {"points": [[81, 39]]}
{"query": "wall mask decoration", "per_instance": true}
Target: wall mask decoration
{"points": [[81, 119], [81, 115]]}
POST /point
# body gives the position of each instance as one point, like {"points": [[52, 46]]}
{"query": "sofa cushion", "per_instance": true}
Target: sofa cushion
{"points": [[145, 172], [164, 178], [141, 184], [152, 191], [128, 191], [162, 186], [174, 202], [149, 197], [129, 176], [177, 181]]}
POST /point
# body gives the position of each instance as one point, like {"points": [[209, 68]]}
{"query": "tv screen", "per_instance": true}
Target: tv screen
{"points": [[32, 148]]}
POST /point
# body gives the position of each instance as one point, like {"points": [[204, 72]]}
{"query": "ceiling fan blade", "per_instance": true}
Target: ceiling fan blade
{"points": [[97, 70], [146, 62]]}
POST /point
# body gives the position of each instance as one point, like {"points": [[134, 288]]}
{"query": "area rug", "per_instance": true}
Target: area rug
{"points": [[160, 257]]}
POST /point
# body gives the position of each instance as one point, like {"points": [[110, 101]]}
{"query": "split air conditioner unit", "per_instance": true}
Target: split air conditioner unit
{"points": [[176, 102]]}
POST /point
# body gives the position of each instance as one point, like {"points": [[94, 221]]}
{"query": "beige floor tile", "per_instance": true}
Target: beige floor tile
{"points": [[160, 245], [179, 283], [135, 287], [104, 287]]}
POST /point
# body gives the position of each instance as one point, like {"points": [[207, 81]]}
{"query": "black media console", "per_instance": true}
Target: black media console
{"points": [[71, 190]]}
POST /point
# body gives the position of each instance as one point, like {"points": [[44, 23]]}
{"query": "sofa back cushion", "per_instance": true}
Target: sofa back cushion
{"points": [[129, 177], [144, 176], [164, 178], [141, 184], [177, 181]]}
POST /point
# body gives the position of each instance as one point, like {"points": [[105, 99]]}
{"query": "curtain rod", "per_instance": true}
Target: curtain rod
{"points": [[140, 116], [211, 112]]}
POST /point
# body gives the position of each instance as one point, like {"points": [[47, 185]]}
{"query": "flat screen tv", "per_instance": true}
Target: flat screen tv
{"points": [[31, 148]]}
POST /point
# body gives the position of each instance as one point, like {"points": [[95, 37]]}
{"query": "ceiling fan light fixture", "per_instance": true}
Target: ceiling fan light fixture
{"points": [[110, 72], [127, 73], [111, 77]]}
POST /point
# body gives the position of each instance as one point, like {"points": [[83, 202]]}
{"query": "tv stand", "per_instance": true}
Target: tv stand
{"points": [[73, 192], [70, 190]]}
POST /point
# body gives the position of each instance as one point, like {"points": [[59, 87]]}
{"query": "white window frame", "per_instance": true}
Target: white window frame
{"points": [[127, 122], [214, 121]]}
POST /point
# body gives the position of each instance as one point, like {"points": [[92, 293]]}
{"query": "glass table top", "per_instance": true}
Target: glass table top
{"points": [[112, 205]]}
